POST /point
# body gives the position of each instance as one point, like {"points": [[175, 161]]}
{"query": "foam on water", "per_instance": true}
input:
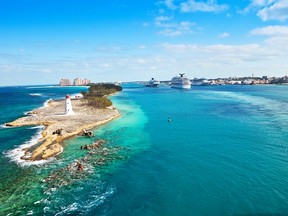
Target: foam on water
{"points": [[35, 94], [99, 199], [70, 208], [45, 104], [41, 87], [16, 154], [3, 126], [37, 127], [83, 202]]}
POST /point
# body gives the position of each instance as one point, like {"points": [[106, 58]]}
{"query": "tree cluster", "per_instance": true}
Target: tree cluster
{"points": [[96, 95]]}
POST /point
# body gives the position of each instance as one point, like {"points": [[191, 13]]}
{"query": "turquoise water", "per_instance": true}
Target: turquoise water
{"points": [[224, 153]]}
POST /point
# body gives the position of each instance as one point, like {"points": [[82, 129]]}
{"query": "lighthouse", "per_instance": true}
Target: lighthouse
{"points": [[68, 106]]}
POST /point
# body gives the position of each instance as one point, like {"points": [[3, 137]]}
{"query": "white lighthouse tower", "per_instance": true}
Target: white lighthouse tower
{"points": [[68, 106]]}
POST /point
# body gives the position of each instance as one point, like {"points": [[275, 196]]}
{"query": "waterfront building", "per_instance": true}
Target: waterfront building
{"points": [[86, 82], [81, 82], [65, 82], [77, 82]]}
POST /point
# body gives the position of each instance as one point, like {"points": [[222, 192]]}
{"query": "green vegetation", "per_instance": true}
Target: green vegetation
{"points": [[96, 95]]}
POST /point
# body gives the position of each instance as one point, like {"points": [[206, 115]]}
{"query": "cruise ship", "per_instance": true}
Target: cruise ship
{"points": [[152, 83], [181, 82], [201, 82]]}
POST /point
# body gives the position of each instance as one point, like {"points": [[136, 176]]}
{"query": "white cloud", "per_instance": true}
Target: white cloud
{"points": [[145, 24], [224, 35], [269, 9], [262, 2], [163, 21], [104, 65], [170, 4], [142, 47], [171, 28], [277, 40], [253, 55], [276, 11], [170, 33], [141, 61], [209, 6], [161, 62], [271, 31]]}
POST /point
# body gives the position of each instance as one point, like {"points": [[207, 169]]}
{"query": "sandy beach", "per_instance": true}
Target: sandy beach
{"points": [[53, 118]]}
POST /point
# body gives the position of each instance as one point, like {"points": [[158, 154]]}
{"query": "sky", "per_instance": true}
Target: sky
{"points": [[42, 42]]}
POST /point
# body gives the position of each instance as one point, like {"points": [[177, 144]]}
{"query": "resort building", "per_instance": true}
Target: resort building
{"points": [[65, 82], [76, 82], [81, 82]]}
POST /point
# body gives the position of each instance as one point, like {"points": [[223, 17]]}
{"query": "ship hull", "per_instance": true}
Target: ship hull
{"points": [[181, 86], [152, 85]]}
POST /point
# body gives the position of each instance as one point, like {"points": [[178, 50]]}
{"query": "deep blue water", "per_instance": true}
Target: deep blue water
{"points": [[224, 153]]}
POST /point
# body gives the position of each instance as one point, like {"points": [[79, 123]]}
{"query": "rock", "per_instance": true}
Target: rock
{"points": [[94, 145], [58, 132], [51, 151], [31, 113], [87, 133], [52, 118]]}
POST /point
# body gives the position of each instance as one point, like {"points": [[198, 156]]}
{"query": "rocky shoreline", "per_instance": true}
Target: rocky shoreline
{"points": [[54, 119]]}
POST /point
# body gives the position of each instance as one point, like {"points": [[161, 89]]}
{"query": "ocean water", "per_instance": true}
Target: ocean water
{"points": [[225, 152]]}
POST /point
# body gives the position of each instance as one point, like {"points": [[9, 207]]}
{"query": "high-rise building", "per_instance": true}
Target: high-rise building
{"points": [[80, 82], [86, 82], [65, 82], [76, 82]]}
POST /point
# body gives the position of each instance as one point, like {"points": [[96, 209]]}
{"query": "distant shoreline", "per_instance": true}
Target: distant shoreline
{"points": [[52, 118]]}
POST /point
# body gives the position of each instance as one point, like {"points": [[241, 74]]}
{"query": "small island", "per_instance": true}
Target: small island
{"points": [[89, 111]]}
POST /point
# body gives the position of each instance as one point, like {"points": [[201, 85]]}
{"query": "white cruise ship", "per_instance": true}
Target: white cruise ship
{"points": [[201, 82], [153, 83], [181, 82]]}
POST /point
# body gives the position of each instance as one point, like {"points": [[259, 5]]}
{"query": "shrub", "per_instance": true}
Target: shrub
{"points": [[98, 102], [96, 94], [103, 89]]}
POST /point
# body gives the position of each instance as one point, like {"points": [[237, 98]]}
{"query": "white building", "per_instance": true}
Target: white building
{"points": [[68, 106], [81, 82], [65, 82]]}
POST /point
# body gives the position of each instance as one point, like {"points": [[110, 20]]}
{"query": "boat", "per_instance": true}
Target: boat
{"points": [[118, 83], [152, 83], [201, 82], [181, 82]]}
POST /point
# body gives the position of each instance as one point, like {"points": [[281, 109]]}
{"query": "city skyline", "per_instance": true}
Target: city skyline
{"points": [[76, 82], [42, 42]]}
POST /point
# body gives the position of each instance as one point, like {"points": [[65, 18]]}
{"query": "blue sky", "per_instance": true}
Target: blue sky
{"points": [[44, 41]]}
